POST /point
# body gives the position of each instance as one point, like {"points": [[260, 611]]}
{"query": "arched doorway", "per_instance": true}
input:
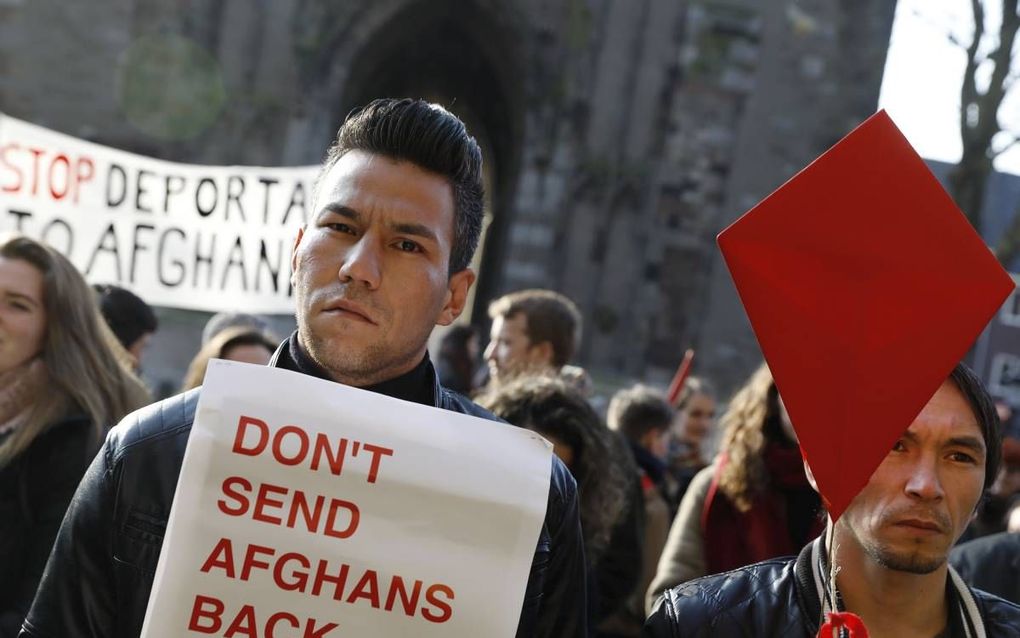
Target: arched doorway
{"points": [[463, 56]]}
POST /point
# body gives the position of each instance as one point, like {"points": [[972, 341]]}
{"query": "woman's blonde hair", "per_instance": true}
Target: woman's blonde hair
{"points": [[750, 421], [83, 358], [218, 346]]}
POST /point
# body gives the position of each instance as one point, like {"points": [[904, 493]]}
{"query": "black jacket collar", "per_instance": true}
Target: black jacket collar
{"points": [[811, 574], [419, 385]]}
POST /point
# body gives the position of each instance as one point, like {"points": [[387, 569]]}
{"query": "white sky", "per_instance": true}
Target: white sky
{"points": [[921, 85]]}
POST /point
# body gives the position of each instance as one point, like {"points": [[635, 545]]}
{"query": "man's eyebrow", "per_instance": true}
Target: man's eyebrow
{"points": [[418, 230], [407, 228], [972, 443], [343, 211]]}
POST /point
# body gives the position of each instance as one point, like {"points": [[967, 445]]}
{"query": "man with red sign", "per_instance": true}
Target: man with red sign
{"points": [[865, 287]]}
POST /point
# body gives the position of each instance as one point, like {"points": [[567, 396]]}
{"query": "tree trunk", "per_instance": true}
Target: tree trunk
{"points": [[979, 116], [967, 185], [1008, 248]]}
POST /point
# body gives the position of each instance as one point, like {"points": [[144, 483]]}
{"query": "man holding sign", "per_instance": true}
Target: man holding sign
{"points": [[865, 287], [384, 259]]}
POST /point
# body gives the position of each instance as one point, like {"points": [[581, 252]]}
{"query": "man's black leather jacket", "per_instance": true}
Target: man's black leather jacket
{"points": [[780, 598], [100, 573]]}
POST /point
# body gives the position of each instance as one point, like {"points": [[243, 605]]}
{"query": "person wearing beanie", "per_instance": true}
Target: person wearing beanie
{"points": [[224, 320]]}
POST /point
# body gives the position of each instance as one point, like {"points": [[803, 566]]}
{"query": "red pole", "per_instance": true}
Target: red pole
{"points": [[682, 372]]}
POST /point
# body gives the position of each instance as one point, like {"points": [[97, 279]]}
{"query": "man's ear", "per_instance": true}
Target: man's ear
{"points": [[542, 353], [293, 253], [456, 296]]}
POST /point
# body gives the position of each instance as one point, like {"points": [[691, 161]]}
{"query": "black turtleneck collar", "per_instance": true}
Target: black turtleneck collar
{"points": [[652, 465], [418, 385]]}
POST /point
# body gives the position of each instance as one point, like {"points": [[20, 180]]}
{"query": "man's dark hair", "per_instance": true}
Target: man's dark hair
{"points": [[988, 420], [432, 138], [550, 317], [125, 313], [634, 412]]}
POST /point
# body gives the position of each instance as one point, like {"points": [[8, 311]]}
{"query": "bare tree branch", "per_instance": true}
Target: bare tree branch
{"points": [[1003, 53], [1010, 144], [1008, 248], [968, 89], [953, 38], [979, 123]]}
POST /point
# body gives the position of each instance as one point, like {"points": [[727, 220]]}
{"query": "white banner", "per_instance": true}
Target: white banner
{"points": [[308, 508], [180, 235]]}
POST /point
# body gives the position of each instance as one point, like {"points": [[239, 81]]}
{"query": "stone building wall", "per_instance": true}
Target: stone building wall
{"points": [[620, 135]]}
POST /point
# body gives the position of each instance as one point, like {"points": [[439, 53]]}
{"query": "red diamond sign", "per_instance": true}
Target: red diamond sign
{"points": [[865, 286]]}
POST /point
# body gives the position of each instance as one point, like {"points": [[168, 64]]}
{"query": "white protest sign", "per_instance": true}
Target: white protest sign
{"points": [[308, 508], [181, 235]]}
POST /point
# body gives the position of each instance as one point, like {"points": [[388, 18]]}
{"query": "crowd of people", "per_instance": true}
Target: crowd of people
{"points": [[659, 503]]}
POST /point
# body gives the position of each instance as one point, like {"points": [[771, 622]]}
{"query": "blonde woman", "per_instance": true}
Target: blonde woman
{"points": [[62, 383], [693, 426], [752, 503], [239, 343], [693, 429]]}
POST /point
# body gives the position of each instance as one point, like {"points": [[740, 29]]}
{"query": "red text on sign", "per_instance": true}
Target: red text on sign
{"points": [[35, 171], [293, 571], [291, 445], [278, 505], [207, 618]]}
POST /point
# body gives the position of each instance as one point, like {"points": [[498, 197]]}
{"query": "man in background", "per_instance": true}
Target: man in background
{"points": [[131, 319], [533, 332]]}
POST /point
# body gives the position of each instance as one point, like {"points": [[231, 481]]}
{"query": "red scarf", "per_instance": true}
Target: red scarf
{"points": [[733, 538]]}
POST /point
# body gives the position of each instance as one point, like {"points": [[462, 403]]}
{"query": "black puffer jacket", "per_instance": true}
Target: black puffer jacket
{"points": [[779, 598], [99, 577], [35, 488]]}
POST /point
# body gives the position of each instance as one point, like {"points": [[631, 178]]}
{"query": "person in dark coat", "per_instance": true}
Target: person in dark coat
{"points": [[991, 563], [383, 259], [643, 416], [561, 414], [63, 380]]}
